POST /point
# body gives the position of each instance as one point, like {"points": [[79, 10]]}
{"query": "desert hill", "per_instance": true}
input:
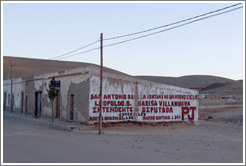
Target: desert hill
{"points": [[192, 81], [25, 67], [231, 88]]}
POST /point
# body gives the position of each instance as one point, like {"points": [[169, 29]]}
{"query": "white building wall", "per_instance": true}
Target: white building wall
{"points": [[68, 80], [18, 88], [124, 98], [141, 101]]}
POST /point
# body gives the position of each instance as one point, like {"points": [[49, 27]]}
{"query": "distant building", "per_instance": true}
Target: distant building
{"points": [[124, 98]]}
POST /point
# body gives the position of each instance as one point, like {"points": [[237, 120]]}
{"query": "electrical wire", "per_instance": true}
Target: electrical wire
{"points": [[66, 55], [82, 52], [151, 29], [61, 56], [75, 50], [150, 34]]}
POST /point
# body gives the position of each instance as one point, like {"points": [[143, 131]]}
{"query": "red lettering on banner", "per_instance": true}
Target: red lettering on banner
{"points": [[185, 110], [130, 97], [93, 118], [94, 109], [193, 110], [96, 104], [93, 96], [149, 106]]}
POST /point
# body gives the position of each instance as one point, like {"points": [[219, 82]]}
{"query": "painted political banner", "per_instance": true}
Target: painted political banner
{"points": [[129, 101]]}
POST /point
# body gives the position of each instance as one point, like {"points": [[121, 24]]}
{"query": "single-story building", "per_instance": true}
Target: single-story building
{"points": [[125, 98]]}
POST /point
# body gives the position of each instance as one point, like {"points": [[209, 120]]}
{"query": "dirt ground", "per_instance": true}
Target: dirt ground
{"points": [[217, 139]]}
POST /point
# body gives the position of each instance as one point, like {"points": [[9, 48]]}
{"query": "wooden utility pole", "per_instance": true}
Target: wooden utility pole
{"points": [[101, 80], [42, 103], [11, 87]]}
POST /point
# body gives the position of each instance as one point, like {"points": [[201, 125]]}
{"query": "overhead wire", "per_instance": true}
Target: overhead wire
{"points": [[96, 48], [63, 55], [69, 54], [76, 50], [184, 20], [153, 33], [139, 37]]}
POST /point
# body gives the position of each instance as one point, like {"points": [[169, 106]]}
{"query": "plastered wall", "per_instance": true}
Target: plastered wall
{"points": [[73, 83], [125, 100], [17, 89]]}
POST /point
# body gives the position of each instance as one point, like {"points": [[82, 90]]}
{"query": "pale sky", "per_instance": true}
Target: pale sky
{"points": [[213, 46]]}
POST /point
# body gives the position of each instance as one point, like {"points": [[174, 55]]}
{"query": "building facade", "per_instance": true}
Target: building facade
{"points": [[125, 98]]}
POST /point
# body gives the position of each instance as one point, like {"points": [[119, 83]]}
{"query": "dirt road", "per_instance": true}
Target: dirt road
{"points": [[210, 142]]}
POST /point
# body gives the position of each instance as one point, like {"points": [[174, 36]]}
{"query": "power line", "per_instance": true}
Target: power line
{"points": [[124, 41], [61, 56], [82, 52], [75, 50], [150, 34], [151, 29], [66, 55]]}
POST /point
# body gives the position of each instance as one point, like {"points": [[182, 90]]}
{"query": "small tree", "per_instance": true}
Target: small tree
{"points": [[52, 93]]}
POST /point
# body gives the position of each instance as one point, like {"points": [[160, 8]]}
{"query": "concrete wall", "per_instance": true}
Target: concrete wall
{"points": [[78, 86], [124, 98], [18, 89], [30, 97], [128, 100], [73, 82]]}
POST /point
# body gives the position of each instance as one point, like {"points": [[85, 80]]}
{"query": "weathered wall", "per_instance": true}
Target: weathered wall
{"points": [[30, 97], [6, 89], [73, 82], [141, 101], [18, 89], [80, 91], [124, 98]]}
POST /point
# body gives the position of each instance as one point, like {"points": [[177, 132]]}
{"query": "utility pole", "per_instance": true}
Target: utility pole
{"points": [[11, 86], [42, 103], [101, 80]]}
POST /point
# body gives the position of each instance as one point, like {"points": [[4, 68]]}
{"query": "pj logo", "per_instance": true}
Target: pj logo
{"points": [[186, 113]]}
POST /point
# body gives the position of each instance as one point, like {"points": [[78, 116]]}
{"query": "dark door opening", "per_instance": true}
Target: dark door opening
{"points": [[9, 100], [58, 106], [13, 103], [26, 105], [37, 104], [71, 106], [22, 102], [5, 101]]}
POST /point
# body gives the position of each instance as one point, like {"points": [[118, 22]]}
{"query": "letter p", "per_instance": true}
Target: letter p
{"points": [[185, 110]]}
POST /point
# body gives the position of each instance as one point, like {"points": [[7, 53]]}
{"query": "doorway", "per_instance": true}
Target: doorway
{"points": [[26, 105], [4, 101], [71, 106], [58, 106], [22, 102], [37, 104]]}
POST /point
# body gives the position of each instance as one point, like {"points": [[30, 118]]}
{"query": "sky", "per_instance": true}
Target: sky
{"points": [[213, 46]]}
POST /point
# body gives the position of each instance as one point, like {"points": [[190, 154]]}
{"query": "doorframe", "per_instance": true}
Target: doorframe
{"points": [[26, 103], [22, 102], [71, 113], [5, 101], [37, 113], [58, 111]]}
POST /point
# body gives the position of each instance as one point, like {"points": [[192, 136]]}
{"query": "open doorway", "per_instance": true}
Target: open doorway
{"points": [[71, 106], [22, 102], [58, 106], [26, 105], [38, 104], [5, 101]]}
